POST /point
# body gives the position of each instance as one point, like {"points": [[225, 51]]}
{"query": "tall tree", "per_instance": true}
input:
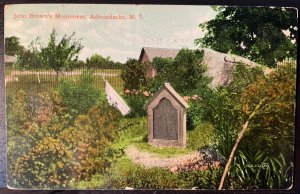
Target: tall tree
{"points": [[261, 34], [29, 58], [186, 72], [12, 45], [62, 55]]}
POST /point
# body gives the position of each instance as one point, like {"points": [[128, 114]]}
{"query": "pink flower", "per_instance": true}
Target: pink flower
{"points": [[127, 91]]}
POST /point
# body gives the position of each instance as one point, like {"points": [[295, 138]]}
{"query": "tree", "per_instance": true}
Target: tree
{"points": [[185, 72], [63, 55], [29, 58], [262, 34], [134, 74], [269, 104], [12, 45], [97, 60]]}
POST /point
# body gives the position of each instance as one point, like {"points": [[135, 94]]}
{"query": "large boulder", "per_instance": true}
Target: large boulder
{"points": [[220, 66]]}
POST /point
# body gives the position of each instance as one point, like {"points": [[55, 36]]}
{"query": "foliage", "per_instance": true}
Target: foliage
{"points": [[269, 97], [273, 126], [30, 139], [260, 171], [134, 74], [185, 72], [126, 174], [29, 58], [257, 33], [131, 130], [97, 61], [79, 96], [47, 150], [203, 135], [89, 139], [223, 107], [137, 104], [62, 55], [12, 45]]}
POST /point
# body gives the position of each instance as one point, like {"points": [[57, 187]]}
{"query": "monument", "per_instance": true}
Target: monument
{"points": [[167, 118]]}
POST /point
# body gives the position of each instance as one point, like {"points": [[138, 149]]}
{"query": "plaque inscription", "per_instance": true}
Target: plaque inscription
{"points": [[165, 123]]}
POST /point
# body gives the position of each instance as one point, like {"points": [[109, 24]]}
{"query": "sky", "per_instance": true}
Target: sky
{"points": [[137, 26]]}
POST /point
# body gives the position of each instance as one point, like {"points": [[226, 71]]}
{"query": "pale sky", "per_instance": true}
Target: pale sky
{"points": [[164, 26]]}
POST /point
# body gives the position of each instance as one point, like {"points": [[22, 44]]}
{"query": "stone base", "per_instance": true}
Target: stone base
{"points": [[166, 143]]}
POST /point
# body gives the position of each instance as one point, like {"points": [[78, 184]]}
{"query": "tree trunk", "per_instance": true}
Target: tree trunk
{"points": [[38, 76], [57, 74], [240, 135]]}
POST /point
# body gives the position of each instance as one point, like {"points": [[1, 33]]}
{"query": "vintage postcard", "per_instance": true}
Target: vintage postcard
{"points": [[102, 96]]}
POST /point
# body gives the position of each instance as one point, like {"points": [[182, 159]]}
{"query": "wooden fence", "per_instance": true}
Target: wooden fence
{"points": [[35, 81], [287, 61]]}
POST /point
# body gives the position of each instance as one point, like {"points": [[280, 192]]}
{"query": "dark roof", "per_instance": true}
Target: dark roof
{"points": [[153, 52]]}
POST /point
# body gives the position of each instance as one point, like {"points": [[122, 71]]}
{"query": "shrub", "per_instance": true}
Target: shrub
{"points": [[47, 150], [137, 101], [186, 72], [134, 74], [126, 174], [79, 96], [202, 135], [223, 107]]}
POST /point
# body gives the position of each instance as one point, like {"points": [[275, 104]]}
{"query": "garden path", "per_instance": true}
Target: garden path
{"points": [[149, 160]]}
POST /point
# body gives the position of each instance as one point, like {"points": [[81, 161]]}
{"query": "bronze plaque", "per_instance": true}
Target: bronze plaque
{"points": [[165, 121]]}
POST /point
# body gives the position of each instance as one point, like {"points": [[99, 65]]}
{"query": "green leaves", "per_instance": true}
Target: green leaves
{"points": [[185, 72], [62, 55], [252, 171], [134, 74], [79, 96], [256, 33]]}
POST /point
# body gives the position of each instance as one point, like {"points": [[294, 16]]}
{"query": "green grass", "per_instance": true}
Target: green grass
{"points": [[163, 152], [133, 131]]}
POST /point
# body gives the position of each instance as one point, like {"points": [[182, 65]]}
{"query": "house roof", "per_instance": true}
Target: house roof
{"points": [[171, 90], [153, 52]]}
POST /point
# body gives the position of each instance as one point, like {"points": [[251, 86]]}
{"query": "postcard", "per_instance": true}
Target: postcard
{"points": [[102, 96]]}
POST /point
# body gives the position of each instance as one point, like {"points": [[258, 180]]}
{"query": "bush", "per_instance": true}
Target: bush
{"points": [[47, 150], [126, 174], [134, 74], [203, 135], [79, 96], [186, 72], [137, 104]]}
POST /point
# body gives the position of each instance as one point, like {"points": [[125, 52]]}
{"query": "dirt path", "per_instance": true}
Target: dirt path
{"points": [[150, 160]]}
